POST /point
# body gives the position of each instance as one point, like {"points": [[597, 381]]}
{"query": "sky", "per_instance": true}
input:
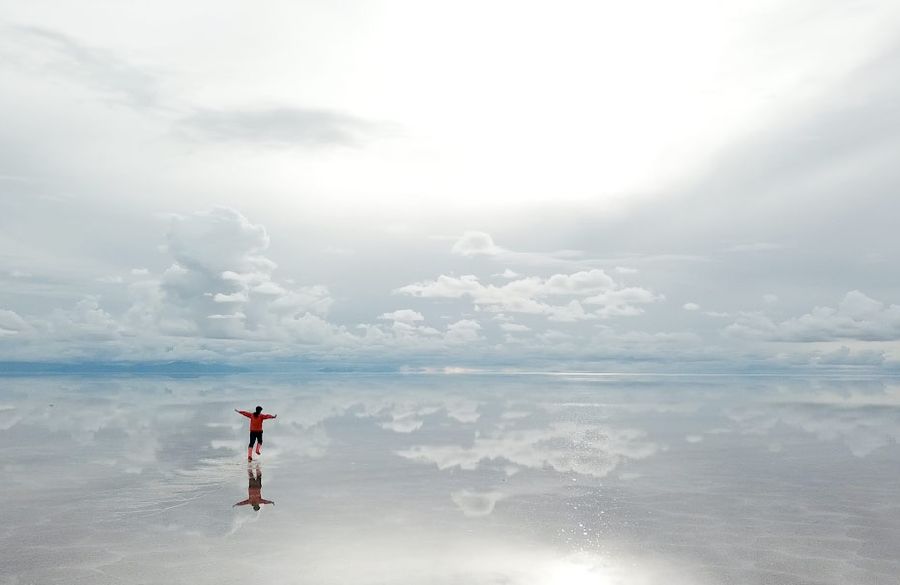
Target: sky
{"points": [[566, 185]]}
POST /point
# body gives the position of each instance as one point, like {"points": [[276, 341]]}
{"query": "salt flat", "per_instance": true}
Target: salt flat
{"points": [[475, 479]]}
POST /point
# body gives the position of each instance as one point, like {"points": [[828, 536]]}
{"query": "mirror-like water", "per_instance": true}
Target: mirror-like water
{"points": [[451, 479]]}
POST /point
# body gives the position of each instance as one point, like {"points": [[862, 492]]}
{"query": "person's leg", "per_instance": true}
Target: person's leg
{"points": [[250, 446], [259, 443]]}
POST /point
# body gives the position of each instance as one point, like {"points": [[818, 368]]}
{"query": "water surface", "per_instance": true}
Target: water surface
{"points": [[452, 479]]}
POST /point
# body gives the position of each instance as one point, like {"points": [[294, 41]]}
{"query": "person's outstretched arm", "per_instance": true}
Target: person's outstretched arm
{"points": [[262, 501], [244, 412], [265, 416], [244, 503]]}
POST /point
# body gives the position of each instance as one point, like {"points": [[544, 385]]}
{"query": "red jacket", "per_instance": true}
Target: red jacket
{"points": [[256, 421]]}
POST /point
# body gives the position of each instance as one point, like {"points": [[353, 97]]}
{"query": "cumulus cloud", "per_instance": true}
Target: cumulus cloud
{"points": [[526, 295], [476, 244], [86, 320], [857, 316], [222, 285], [403, 316], [463, 331], [11, 323], [690, 307]]}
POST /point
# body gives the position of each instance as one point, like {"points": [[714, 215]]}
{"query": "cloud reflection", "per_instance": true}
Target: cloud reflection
{"points": [[566, 447]]}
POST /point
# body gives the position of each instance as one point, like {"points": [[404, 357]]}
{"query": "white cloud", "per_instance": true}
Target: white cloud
{"points": [[86, 320], [403, 316], [476, 244], [716, 314], [623, 301], [844, 356], [237, 316], [525, 294], [475, 503], [626, 270], [463, 331], [219, 259], [514, 327], [11, 323], [584, 282], [235, 297], [691, 307], [857, 316]]}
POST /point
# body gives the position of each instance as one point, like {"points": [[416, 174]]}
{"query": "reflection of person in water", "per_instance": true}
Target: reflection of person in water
{"points": [[256, 422], [254, 489]]}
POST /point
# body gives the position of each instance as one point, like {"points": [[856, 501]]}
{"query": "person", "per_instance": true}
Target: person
{"points": [[254, 490], [256, 431]]}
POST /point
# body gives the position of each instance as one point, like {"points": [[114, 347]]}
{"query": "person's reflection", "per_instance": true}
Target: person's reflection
{"points": [[254, 489]]}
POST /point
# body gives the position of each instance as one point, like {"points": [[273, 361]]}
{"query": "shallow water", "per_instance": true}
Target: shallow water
{"points": [[452, 479]]}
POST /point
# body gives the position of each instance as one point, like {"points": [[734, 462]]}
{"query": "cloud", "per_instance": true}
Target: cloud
{"points": [[476, 244], [525, 295], [843, 356], [121, 81], [623, 302], [403, 316], [857, 316], [861, 428], [463, 331], [221, 284], [562, 447], [11, 323], [87, 318], [475, 504], [690, 307], [514, 327], [281, 126], [100, 69], [407, 423]]}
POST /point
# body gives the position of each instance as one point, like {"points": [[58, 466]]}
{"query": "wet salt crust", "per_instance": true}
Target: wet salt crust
{"points": [[452, 479]]}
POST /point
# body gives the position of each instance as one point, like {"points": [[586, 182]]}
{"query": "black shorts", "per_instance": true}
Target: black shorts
{"points": [[255, 436]]}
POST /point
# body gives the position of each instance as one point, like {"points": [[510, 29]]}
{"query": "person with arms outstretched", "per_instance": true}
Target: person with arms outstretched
{"points": [[256, 421]]}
